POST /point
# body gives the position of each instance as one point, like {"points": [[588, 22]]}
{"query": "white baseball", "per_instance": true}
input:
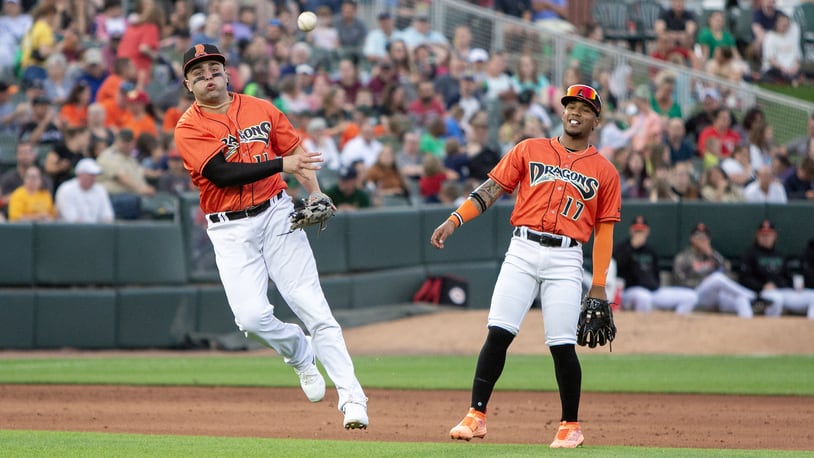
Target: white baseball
{"points": [[307, 21]]}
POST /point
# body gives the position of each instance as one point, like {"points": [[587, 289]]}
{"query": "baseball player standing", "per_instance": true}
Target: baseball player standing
{"points": [[235, 147], [564, 190]]}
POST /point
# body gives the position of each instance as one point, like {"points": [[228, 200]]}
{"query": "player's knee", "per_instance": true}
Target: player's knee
{"points": [[255, 320], [499, 337]]}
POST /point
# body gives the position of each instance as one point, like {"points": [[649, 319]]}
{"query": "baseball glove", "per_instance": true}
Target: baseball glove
{"points": [[317, 209], [595, 323]]}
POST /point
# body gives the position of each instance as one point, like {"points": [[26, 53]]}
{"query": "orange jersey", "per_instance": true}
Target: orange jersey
{"points": [[110, 86], [171, 117], [253, 130], [557, 191], [144, 124]]}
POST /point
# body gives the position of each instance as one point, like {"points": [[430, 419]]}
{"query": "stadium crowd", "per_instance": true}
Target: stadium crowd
{"points": [[403, 113]]}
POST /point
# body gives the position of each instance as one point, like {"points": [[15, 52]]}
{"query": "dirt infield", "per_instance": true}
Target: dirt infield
{"points": [[743, 422]]}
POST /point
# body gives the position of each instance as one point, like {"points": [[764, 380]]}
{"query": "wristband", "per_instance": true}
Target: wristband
{"points": [[466, 212]]}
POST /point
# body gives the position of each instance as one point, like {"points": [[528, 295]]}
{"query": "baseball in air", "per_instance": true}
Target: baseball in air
{"points": [[307, 21]]}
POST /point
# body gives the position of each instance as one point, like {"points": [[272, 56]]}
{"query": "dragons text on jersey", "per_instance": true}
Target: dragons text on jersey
{"points": [[539, 173]]}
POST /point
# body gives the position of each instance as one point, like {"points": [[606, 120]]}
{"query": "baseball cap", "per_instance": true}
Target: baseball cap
{"points": [[639, 223], [41, 100], [478, 55], [584, 93], [200, 53], [92, 56], [197, 21], [88, 166], [700, 228], [125, 135], [304, 69], [138, 97], [348, 173], [384, 15], [712, 93], [275, 22], [317, 123], [33, 83], [766, 226]]}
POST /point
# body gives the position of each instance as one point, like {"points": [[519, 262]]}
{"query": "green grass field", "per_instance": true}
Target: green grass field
{"points": [[785, 375]]}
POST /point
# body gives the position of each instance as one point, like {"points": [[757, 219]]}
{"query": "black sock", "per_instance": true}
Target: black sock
{"points": [[491, 360], [569, 379]]}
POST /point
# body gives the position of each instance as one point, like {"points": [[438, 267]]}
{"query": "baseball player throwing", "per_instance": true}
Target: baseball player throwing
{"points": [[565, 189], [235, 147]]}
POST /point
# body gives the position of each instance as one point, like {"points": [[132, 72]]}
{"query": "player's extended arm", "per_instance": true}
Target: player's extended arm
{"points": [[603, 249], [307, 176], [225, 174], [479, 200]]}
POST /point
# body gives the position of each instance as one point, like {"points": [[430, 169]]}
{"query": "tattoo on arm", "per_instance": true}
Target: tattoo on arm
{"points": [[486, 194]]}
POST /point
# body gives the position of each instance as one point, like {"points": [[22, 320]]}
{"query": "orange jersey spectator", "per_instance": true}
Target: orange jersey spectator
{"points": [[110, 86], [73, 115]]}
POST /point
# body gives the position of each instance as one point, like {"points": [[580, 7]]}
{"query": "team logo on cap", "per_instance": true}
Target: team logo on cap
{"points": [[200, 50]]}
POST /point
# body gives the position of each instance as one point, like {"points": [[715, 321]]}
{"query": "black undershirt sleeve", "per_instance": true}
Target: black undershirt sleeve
{"points": [[228, 174]]}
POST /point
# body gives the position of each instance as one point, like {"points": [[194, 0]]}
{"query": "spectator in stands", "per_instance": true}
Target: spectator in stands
{"points": [[715, 35], [718, 188], [585, 57], [117, 113], [394, 101], [461, 41], [765, 189], [400, 56], [384, 178], [39, 42], [721, 129], [764, 19], [520, 9], [635, 180], [325, 37], [425, 63], [123, 177], [12, 178], [710, 102], [497, 84], [31, 201], [737, 167], [173, 113], [363, 148], [681, 148], [210, 33], [421, 32], [42, 129], [101, 136], [152, 156], [765, 271], [376, 40], [10, 110], [57, 84], [317, 140], [409, 158], [123, 71], [448, 85], [482, 155], [426, 106], [782, 54], [176, 180], [455, 158], [799, 146], [782, 167], [478, 58], [754, 115], [352, 31], [111, 22], [94, 71], [701, 267], [141, 39], [664, 102], [678, 24], [228, 12], [469, 99], [646, 125], [551, 16], [347, 194], [682, 184], [81, 199], [637, 263], [74, 112], [61, 160], [527, 76], [433, 175], [141, 118], [761, 145], [667, 51], [725, 64], [800, 185], [14, 23], [349, 80]]}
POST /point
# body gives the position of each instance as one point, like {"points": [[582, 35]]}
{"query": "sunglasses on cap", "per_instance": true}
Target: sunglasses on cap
{"points": [[584, 93]]}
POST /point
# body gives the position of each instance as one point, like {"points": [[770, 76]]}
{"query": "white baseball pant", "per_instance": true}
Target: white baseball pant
{"points": [[729, 295], [678, 298], [530, 270], [251, 250], [790, 299]]}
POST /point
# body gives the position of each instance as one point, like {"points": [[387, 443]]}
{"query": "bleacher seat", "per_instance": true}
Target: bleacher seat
{"points": [[74, 254], [78, 318]]}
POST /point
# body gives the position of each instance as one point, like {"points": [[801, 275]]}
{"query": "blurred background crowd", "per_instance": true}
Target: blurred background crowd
{"points": [[410, 102]]}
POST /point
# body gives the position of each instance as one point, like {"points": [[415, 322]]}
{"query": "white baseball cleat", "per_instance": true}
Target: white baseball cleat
{"points": [[355, 416], [312, 382]]}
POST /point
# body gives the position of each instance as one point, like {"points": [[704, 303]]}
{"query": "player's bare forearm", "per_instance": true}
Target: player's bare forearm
{"points": [[303, 165], [486, 194]]}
